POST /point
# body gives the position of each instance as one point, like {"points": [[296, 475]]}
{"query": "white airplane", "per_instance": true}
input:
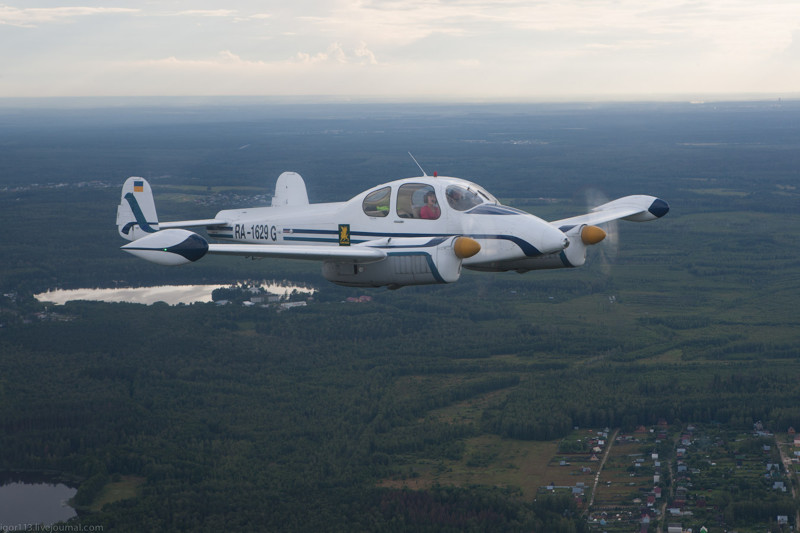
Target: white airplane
{"points": [[412, 231]]}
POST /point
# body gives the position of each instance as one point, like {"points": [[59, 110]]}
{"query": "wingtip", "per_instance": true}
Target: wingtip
{"points": [[659, 208]]}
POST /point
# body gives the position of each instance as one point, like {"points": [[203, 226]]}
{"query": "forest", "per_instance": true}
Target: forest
{"points": [[318, 418]]}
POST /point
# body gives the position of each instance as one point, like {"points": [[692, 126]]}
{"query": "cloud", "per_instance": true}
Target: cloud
{"points": [[365, 54], [32, 17], [536, 48], [207, 13], [732, 26], [223, 60], [335, 53], [227, 60]]}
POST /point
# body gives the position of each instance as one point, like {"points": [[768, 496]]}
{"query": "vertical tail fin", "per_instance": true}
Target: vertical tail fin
{"points": [[290, 189], [136, 213]]}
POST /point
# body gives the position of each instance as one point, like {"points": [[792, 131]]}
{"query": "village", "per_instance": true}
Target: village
{"points": [[688, 479]]}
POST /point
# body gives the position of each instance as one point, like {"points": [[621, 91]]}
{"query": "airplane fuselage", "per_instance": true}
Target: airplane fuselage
{"points": [[398, 210]]}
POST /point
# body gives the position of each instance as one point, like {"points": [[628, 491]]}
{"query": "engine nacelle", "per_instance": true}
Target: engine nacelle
{"points": [[409, 261], [169, 247], [574, 255]]}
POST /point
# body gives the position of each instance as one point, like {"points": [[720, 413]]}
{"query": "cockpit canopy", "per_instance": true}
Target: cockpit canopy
{"points": [[464, 198], [421, 200]]}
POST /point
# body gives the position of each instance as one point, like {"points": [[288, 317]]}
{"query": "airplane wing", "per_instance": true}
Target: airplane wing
{"points": [[192, 223], [178, 246], [638, 208], [362, 254]]}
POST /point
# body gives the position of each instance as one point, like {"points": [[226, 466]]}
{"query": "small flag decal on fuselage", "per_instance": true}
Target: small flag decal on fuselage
{"points": [[138, 186], [344, 234]]}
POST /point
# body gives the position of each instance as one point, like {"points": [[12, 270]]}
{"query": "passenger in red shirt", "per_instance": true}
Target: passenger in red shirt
{"points": [[431, 209]]}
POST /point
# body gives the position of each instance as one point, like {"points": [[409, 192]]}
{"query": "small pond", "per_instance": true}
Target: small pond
{"points": [[23, 505]]}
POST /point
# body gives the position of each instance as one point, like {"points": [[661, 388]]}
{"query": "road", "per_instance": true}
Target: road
{"points": [[611, 440], [790, 473]]}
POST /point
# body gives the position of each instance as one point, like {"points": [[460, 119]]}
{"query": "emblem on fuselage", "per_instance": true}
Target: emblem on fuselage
{"points": [[344, 234]]}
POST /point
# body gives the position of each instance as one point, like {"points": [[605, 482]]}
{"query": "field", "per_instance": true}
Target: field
{"points": [[471, 406]]}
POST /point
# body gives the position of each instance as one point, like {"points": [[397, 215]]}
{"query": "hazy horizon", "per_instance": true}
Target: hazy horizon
{"points": [[88, 102]]}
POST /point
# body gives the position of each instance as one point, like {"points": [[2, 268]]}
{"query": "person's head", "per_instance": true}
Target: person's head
{"points": [[430, 198]]}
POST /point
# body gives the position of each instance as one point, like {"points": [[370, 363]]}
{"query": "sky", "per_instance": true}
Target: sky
{"points": [[519, 50]]}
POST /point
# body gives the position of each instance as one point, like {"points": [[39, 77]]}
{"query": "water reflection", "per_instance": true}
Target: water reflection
{"points": [[35, 503], [170, 294]]}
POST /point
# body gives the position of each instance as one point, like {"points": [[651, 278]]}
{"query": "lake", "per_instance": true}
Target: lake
{"points": [[22, 505], [169, 294]]}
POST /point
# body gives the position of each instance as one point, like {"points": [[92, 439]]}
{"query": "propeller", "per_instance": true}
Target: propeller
{"points": [[609, 248]]}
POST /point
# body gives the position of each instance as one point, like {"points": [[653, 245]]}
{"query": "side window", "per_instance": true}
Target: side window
{"points": [[376, 203], [417, 200]]}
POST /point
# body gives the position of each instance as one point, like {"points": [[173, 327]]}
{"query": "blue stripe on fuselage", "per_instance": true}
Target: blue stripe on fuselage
{"points": [[527, 248]]}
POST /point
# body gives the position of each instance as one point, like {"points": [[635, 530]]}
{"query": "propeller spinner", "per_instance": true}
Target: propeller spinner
{"points": [[465, 247], [592, 235]]}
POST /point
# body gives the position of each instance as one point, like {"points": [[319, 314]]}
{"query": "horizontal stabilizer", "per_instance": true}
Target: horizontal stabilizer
{"points": [[169, 247]]}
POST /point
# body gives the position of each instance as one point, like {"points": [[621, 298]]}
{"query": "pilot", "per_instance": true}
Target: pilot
{"points": [[455, 198], [431, 209]]}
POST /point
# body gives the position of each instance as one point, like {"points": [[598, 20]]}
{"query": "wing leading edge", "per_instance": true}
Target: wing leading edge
{"points": [[637, 208], [358, 253]]}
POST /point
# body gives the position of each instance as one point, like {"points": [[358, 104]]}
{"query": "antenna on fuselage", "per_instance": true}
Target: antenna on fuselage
{"points": [[420, 166]]}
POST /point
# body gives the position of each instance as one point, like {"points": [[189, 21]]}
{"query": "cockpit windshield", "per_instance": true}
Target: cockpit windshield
{"points": [[463, 198]]}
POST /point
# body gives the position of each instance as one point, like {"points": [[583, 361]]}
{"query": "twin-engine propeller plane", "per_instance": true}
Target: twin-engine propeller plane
{"points": [[413, 231]]}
